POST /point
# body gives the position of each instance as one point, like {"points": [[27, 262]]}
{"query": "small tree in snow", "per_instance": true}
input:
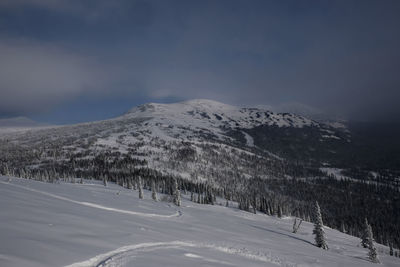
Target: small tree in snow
{"points": [[319, 228], [153, 191], [177, 194], [372, 254], [342, 227], [364, 234], [140, 188]]}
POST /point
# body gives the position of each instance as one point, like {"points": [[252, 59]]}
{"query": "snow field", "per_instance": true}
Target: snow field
{"points": [[44, 224]]}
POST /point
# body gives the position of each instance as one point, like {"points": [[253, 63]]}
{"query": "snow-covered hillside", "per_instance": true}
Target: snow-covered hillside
{"points": [[190, 133], [43, 224]]}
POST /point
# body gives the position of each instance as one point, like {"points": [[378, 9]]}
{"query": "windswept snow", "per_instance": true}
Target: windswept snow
{"points": [[249, 139], [44, 224]]}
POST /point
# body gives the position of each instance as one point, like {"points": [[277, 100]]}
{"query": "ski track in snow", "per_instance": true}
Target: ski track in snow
{"points": [[116, 257], [96, 206]]}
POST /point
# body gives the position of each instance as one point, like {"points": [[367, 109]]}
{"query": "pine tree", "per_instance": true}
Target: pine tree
{"points": [[342, 227], [153, 191], [372, 253], [105, 180], [140, 188], [177, 194], [364, 234], [319, 228], [279, 211]]}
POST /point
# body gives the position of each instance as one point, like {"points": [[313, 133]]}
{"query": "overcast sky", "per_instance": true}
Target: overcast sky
{"points": [[64, 61]]}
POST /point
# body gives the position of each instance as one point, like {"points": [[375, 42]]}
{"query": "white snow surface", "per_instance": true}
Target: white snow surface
{"points": [[43, 224]]}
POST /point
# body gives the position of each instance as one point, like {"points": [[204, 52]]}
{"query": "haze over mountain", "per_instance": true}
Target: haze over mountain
{"points": [[19, 122]]}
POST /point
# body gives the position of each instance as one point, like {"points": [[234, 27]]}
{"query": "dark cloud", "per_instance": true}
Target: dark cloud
{"points": [[335, 55]]}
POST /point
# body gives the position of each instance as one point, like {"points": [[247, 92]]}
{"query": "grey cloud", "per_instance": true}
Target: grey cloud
{"points": [[332, 55], [35, 77]]}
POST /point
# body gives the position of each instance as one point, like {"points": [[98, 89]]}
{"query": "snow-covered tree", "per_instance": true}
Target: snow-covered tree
{"points": [[153, 191], [342, 227], [140, 187], [319, 228], [129, 184], [364, 234], [372, 253], [296, 225], [279, 211], [177, 194]]}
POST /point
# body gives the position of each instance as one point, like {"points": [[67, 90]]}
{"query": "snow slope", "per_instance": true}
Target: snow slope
{"points": [[44, 224]]}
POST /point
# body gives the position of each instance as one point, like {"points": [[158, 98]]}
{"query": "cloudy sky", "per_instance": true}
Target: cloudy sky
{"points": [[64, 61]]}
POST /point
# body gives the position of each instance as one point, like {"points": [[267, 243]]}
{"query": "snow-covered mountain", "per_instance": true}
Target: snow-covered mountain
{"points": [[152, 131], [160, 133], [213, 117]]}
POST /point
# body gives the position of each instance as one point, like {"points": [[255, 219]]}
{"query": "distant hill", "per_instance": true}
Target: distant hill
{"points": [[19, 122]]}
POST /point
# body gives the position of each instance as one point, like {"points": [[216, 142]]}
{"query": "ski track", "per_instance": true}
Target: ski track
{"points": [[96, 206], [116, 257]]}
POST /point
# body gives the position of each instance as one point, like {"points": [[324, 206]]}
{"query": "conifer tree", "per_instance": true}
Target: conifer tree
{"points": [[279, 211], [153, 191], [364, 234], [140, 188], [319, 228], [342, 227], [129, 184], [372, 253], [177, 194]]}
